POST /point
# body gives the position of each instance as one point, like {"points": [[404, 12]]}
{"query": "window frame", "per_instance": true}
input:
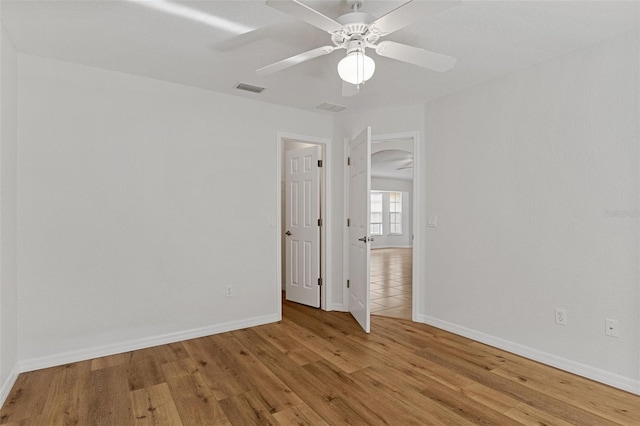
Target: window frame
{"points": [[398, 213], [371, 213]]}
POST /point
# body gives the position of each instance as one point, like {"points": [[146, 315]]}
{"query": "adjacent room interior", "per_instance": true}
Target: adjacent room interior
{"points": [[392, 212]]}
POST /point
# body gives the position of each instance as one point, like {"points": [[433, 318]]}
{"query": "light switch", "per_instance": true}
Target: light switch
{"points": [[432, 221]]}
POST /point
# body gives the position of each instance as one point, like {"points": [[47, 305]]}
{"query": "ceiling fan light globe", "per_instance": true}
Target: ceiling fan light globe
{"points": [[356, 68]]}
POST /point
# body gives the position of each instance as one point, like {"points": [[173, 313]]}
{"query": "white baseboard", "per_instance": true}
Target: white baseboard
{"points": [[132, 345], [390, 246], [8, 384], [602, 376], [340, 307]]}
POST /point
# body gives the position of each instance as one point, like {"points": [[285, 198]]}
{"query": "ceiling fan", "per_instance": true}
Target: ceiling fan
{"points": [[356, 31], [407, 165]]}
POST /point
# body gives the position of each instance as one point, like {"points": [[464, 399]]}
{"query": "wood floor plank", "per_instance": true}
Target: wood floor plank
{"points": [[299, 354], [536, 399], [489, 397], [154, 406], [28, 395], [350, 390], [405, 363], [170, 353], [462, 405], [194, 400], [275, 395], [247, 409], [144, 369], [326, 349], [299, 415], [222, 381], [408, 400], [109, 401], [527, 415], [576, 391], [68, 391], [322, 397], [108, 361]]}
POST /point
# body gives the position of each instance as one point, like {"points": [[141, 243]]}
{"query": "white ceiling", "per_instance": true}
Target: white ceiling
{"points": [[488, 38], [392, 163]]}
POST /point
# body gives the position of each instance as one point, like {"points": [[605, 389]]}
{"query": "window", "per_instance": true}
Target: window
{"points": [[376, 213], [395, 213]]}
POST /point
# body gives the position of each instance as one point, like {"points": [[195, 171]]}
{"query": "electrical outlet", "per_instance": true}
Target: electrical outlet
{"points": [[612, 328], [229, 291], [561, 316]]}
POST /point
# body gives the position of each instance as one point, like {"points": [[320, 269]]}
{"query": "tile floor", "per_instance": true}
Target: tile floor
{"points": [[391, 271]]}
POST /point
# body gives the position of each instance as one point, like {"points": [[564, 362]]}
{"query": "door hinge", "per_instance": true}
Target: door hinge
{"points": [[319, 163], [320, 282], [348, 161], [347, 283], [320, 222], [348, 222]]}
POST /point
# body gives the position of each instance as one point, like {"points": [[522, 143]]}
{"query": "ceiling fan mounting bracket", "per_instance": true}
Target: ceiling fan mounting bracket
{"points": [[355, 4]]}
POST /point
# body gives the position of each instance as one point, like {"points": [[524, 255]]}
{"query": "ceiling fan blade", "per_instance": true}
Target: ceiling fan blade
{"points": [[349, 89], [295, 60], [306, 14], [416, 56], [409, 13]]}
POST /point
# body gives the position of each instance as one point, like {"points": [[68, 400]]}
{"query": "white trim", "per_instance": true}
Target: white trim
{"points": [[326, 208], [391, 246], [8, 384], [580, 369], [340, 307], [146, 342], [345, 228]]}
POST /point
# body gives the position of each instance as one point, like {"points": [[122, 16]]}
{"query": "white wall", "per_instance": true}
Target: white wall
{"points": [[8, 197], [140, 200], [406, 187], [523, 173]]}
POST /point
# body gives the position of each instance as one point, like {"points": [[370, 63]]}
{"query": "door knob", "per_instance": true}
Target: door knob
{"points": [[287, 233], [363, 239]]}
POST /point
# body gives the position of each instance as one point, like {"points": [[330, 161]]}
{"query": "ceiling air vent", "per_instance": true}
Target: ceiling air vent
{"points": [[249, 87], [331, 107]]}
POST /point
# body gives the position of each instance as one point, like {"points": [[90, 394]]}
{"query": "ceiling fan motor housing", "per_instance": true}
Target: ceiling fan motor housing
{"points": [[355, 4], [355, 25]]}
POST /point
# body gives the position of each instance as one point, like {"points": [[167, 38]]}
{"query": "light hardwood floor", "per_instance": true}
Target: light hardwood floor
{"points": [[316, 368], [391, 282]]}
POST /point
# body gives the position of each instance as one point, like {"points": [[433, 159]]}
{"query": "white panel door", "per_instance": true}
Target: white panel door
{"points": [[359, 208], [302, 231]]}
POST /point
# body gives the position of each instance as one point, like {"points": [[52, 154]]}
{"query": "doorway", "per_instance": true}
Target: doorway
{"points": [[392, 226], [307, 154], [408, 141]]}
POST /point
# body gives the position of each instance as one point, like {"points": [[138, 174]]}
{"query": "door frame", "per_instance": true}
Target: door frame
{"points": [[325, 211], [418, 223]]}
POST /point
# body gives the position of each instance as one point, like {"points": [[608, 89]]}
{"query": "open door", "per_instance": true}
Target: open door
{"points": [[302, 230], [359, 217]]}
